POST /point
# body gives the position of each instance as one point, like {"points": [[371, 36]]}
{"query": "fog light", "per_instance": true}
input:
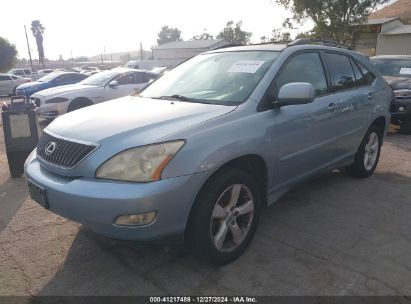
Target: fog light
{"points": [[136, 219], [401, 109]]}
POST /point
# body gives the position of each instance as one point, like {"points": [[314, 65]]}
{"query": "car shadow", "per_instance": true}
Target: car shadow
{"points": [[95, 265], [12, 195]]}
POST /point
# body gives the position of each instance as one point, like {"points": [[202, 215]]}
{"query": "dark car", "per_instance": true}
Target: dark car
{"points": [[49, 81], [396, 69]]}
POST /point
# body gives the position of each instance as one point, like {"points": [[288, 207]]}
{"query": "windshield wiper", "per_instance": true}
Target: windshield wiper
{"points": [[185, 98], [176, 96]]}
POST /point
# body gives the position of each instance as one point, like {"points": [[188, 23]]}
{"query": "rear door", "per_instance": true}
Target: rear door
{"points": [[350, 94]]}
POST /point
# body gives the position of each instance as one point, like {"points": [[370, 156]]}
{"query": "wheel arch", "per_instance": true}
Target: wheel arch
{"points": [[381, 123], [251, 163], [78, 100]]}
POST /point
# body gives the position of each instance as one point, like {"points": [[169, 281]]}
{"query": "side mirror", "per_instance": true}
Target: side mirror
{"points": [[296, 93], [113, 84]]}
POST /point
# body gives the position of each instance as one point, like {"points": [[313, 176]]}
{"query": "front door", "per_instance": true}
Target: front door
{"points": [[304, 134]]}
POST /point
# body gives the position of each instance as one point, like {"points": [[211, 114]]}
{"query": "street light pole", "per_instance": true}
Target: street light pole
{"points": [[28, 48]]}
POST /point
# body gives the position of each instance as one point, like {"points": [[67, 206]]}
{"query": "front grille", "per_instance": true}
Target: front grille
{"points": [[36, 101], [62, 152]]}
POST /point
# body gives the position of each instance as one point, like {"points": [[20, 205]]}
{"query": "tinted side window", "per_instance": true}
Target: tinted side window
{"points": [[27, 71], [368, 76], [149, 77], [341, 71], [78, 77], [359, 77], [306, 67], [126, 79], [14, 77], [19, 72], [3, 78], [140, 78]]}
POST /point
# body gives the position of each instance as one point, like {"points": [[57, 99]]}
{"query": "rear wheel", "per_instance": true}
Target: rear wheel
{"points": [[368, 153], [78, 104], [225, 217]]}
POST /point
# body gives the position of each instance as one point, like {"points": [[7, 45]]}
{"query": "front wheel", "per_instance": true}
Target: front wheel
{"points": [[368, 154], [225, 217]]}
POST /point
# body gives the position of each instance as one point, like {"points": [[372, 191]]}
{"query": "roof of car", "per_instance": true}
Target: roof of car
{"points": [[253, 47], [278, 47], [392, 57]]}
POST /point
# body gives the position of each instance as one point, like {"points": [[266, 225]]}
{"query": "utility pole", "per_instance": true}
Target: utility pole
{"points": [[141, 51], [28, 48]]}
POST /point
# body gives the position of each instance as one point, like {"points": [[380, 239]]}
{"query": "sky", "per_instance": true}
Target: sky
{"points": [[86, 28]]}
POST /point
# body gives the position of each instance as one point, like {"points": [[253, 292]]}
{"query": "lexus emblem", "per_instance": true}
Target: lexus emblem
{"points": [[50, 148]]}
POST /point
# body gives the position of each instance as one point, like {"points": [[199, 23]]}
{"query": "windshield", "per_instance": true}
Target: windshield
{"points": [[222, 78], [48, 77], [100, 78], [393, 67]]}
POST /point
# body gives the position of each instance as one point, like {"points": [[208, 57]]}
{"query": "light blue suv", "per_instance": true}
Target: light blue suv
{"points": [[210, 143]]}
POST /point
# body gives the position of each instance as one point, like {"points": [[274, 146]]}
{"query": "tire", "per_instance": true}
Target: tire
{"points": [[14, 92], [211, 224], [368, 154], [405, 127], [79, 103]]}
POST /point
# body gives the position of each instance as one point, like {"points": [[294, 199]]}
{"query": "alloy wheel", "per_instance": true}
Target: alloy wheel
{"points": [[232, 217], [371, 151]]}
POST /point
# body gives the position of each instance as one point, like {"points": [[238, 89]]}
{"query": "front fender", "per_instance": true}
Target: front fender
{"points": [[218, 141]]}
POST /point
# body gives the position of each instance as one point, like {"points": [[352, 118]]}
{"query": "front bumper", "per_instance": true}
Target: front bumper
{"points": [[50, 110], [97, 203], [398, 116]]}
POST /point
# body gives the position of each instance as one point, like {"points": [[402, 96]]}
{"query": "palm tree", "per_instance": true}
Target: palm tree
{"points": [[38, 29]]}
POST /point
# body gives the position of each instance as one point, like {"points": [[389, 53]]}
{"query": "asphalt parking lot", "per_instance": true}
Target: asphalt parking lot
{"points": [[335, 235]]}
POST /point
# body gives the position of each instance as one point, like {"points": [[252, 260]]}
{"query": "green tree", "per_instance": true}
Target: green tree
{"points": [[204, 36], [168, 34], [8, 55], [336, 20], [234, 34], [38, 30]]}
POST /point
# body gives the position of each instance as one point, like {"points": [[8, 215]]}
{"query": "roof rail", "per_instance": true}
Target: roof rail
{"points": [[226, 46], [302, 41]]}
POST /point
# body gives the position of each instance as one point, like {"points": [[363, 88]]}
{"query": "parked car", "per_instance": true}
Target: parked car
{"points": [[160, 70], [100, 87], [211, 142], [21, 72], [89, 70], [44, 72], [49, 81], [396, 69], [142, 64], [9, 83]]}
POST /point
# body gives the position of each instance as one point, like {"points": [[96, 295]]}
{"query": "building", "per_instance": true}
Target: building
{"points": [[387, 31], [172, 53]]}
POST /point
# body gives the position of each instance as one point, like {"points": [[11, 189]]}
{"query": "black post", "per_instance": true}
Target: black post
{"points": [[28, 47]]}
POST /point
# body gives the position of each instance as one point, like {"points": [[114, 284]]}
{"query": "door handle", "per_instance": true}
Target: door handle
{"points": [[347, 109], [332, 107], [370, 95]]}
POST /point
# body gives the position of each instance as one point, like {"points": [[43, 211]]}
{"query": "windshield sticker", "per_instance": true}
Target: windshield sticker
{"points": [[246, 66], [406, 71]]}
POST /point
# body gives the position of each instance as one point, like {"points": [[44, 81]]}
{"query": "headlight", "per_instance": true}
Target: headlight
{"points": [[142, 164], [403, 93], [57, 100]]}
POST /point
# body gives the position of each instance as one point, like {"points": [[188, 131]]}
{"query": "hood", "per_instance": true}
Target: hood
{"points": [[34, 85], [133, 121], [48, 93], [398, 82]]}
